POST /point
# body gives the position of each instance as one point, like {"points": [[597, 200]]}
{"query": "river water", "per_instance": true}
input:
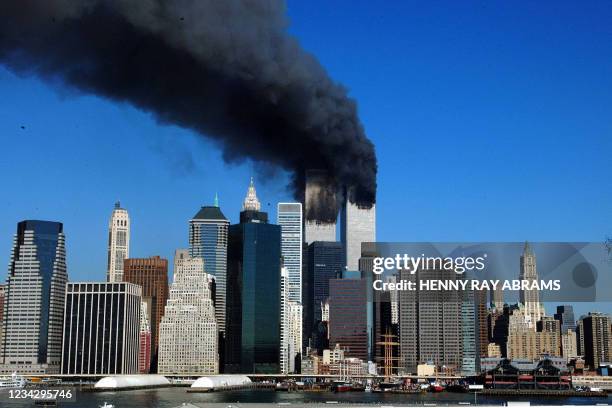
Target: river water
{"points": [[175, 397]]}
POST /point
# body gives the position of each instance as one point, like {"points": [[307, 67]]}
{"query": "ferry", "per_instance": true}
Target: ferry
{"points": [[14, 381]]}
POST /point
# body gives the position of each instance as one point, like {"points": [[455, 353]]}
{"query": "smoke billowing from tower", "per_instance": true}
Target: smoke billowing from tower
{"points": [[225, 69], [321, 197]]}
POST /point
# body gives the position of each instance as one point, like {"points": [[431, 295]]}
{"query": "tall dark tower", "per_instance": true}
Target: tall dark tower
{"points": [[253, 292]]}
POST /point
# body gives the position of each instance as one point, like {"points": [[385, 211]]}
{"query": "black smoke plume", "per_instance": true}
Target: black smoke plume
{"points": [[225, 68]]}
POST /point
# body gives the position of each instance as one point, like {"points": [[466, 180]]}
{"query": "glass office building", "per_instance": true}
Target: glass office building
{"points": [[289, 217], [348, 316], [34, 303], [325, 261], [253, 292], [101, 328], [565, 315], [208, 231]]}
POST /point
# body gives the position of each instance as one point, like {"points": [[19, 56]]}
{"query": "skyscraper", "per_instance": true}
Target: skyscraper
{"points": [[101, 328], [524, 342], [324, 262], [2, 297], [358, 225], [470, 333], [289, 216], [597, 339], [348, 316], [553, 327], [253, 292], [188, 330], [530, 298], [482, 327], [319, 193], [144, 353], [497, 299], [208, 231], [118, 243], [291, 327], [180, 256], [34, 300], [565, 315], [569, 345], [152, 275], [430, 323]]}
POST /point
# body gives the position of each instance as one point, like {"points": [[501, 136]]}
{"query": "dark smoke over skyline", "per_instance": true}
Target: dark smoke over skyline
{"points": [[225, 69]]}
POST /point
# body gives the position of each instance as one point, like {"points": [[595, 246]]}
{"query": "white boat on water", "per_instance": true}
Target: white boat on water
{"points": [[107, 405], [14, 381]]}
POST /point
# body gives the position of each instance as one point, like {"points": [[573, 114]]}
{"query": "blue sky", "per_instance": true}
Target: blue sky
{"points": [[491, 122]]}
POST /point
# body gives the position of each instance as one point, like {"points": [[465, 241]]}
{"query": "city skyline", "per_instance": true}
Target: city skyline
{"points": [[255, 234], [285, 202], [543, 93], [582, 308]]}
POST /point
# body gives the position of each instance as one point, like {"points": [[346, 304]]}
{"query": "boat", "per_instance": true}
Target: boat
{"points": [[107, 405], [14, 381], [457, 387], [342, 387], [436, 387], [282, 386]]}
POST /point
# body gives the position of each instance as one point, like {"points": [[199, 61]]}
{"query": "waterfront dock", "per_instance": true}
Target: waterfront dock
{"points": [[542, 393]]}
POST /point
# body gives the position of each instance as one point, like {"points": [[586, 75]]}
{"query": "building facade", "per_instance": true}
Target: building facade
{"points": [[524, 342], [569, 345], [208, 233], [152, 275], [497, 299], [430, 324], [358, 226], [118, 243], [253, 292], [289, 217], [530, 298], [348, 316], [2, 297], [597, 339], [565, 316], [101, 328], [188, 331], [324, 261], [34, 299], [470, 334], [319, 192], [144, 353], [291, 327]]}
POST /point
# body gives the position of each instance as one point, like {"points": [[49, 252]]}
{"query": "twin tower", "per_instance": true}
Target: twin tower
{"points": [[358, 224]]}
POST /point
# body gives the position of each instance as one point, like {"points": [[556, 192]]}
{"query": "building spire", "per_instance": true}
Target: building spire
{"points": [[216, 203], [250, 201]]}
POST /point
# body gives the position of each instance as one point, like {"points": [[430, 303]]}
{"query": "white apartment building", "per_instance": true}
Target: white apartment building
{"points": [[188, 342]]}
